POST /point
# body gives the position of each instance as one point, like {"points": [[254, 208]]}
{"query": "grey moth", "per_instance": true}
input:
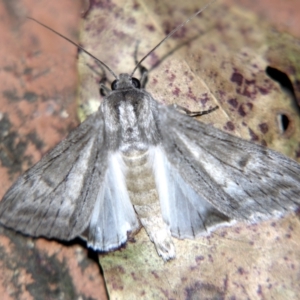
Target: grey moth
{"points": [[136, 162]]}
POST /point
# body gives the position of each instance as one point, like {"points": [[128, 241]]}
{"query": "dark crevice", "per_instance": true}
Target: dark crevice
{"points": [[284, 122], [287, 86], [281, 78]]}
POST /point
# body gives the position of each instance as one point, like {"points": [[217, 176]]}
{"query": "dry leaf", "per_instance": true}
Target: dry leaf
{"points": [[218, 59]]}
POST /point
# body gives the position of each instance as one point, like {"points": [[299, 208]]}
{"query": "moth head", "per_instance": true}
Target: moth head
{"points": [[125, 81]]}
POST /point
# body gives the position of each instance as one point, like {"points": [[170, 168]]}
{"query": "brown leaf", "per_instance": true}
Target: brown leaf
{"points": [[220, 59]]}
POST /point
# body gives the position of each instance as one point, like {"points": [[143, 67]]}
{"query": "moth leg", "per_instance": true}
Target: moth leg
{"points": [[103, 89], [144, 77], [91, 105], [142, 69], [194, 113], [157, 230]]}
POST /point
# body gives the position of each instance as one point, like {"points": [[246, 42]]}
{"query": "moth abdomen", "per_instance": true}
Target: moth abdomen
{"points": [[142, 190], [139, 178]]}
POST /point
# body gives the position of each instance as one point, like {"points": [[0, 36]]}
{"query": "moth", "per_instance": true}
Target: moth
{"points": [[136, 162]]}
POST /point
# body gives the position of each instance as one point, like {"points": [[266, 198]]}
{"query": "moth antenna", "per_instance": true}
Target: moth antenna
{"points": [[171, 33], [75, 44]]}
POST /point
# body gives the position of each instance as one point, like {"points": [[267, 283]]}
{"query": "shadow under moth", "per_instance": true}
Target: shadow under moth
{"points": [[136, 162]]}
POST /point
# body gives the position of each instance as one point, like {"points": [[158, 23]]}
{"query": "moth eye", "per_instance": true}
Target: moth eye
{"points": [[136, 83], [114, 85]]}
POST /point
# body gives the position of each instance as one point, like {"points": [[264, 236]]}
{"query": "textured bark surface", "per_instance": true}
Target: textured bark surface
{"points": [[37, 110]]}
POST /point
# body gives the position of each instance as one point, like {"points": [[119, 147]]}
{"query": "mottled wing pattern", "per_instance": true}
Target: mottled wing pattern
{"points": [[242, 180], [56, 197]]}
